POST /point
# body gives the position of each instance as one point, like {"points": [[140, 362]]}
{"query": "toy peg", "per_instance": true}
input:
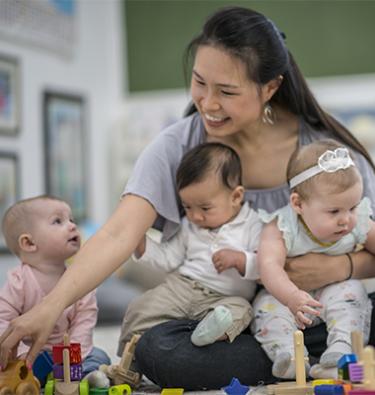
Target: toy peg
{"points": [[66, 360], [66, 339], [368, 368], [299, 358], [128, 354], [357, 344]]}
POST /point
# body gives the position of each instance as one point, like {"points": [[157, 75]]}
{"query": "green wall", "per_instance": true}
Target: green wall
{"points": [[325, 37]]}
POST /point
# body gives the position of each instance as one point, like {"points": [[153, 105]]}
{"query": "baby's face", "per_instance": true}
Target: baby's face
{"points": [[55, 233], [208, 204], [331, 216]]}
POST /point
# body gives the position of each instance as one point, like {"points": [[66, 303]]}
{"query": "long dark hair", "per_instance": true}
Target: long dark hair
{"points": [[256, 41]]}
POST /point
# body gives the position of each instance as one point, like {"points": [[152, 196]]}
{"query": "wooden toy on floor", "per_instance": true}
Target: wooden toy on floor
{"points": [[18, 379], [299, 387], [70, 373], [121, 373]]}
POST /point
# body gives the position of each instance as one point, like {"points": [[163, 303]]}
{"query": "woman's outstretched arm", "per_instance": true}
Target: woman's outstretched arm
{"points": [[313, 271], [100, 256]]}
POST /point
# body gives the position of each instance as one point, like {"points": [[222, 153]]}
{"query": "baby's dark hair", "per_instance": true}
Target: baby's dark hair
{"points": [[207, 158]]}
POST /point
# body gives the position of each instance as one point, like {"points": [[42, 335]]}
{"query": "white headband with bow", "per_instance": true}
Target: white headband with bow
{"points": [[329, 162]]}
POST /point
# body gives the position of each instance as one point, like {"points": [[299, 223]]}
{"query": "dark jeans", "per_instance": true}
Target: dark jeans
{"points": [[166, 356]]}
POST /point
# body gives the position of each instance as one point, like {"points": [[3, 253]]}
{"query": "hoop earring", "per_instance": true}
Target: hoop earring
{"points": [[268, 115]]}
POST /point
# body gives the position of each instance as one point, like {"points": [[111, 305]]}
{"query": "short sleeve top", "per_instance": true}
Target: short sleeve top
{"points": [[299, 242], [154, 173]]}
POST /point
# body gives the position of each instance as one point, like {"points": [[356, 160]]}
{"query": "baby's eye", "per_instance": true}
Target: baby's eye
{"points": [[226, 93], [353, 208], [57, 221], [206, 208], [334, 211]]}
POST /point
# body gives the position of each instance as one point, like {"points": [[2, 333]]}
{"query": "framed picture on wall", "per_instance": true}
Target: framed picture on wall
{"points": [[9, 187], [9, 96], [66, 150]]}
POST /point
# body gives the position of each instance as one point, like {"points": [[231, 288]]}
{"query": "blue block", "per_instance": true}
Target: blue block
{"points": [[345, 360], [329, 389], [42, 366]]}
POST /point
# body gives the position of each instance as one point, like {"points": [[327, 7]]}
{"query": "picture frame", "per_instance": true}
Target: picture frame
{"points": [[66, 150], [9, 96], [9, 187]]}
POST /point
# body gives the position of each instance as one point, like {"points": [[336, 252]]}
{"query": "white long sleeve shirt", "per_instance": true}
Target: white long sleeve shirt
{"points": [[190, 252]]}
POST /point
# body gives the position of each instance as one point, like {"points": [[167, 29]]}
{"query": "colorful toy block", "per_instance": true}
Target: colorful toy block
{"points": [[356, 372], [172, 391], [74, 353], [327, 389], [236, 388], [75, 372], [343, 365], [42, 367]]}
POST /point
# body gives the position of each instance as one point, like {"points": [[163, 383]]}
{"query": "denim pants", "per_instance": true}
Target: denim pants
{"points": [[96, 358], [166, 356]]}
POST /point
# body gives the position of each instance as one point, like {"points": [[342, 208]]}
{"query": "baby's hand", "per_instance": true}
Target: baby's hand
{"points": [[300, 304], [225, 259]]}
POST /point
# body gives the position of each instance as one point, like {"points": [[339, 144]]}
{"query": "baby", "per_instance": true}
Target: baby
{"points": [[213, 255], [326, 214], [42, 233]]}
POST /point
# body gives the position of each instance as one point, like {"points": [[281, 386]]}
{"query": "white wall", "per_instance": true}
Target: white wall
{"points": [[96, 71]]}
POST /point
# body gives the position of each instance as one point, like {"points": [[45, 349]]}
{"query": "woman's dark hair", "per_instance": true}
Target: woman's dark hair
{"points": [[207, 158], [256, 41]]}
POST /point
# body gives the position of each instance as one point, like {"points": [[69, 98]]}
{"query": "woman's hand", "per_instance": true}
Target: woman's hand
{"points": [[302, 304], [36, 325], [312, 271]]}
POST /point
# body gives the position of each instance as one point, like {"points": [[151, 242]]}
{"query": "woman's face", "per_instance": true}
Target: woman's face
{"points": [[228, 102]]}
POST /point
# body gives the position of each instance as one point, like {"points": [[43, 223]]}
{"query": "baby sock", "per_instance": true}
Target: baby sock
{"points": [[213, 326], [97, 379], [319, 372], [333, 353], [284, 366]]}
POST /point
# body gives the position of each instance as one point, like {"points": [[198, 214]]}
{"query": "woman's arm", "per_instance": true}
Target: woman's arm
{"points": [[101, 255], [314, 271]]}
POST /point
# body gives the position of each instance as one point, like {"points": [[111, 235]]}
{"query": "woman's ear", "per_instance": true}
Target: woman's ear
{"points": [[26, 243], [296, 202], [237, 195], [271, 87]]}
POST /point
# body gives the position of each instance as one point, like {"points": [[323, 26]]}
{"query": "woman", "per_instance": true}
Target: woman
{"points": [[249, 94]]}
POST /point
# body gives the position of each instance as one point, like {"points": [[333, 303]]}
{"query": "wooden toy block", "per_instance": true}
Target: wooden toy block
{"points": [[42, 367], [74, 353], [356, 372], [343, 365], [121, 373], [368, 368], [327, 389], [75, 372], [299, 387], [18, 379], [172, 391]]}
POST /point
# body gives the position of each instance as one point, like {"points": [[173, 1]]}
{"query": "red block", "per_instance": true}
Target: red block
{"points": [[74, 353]]}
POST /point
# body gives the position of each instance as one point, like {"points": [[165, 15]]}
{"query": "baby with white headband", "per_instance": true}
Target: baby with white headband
{"points": [[326, 214]]}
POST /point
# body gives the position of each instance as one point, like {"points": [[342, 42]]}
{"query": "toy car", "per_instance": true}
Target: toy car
{"points": [[18, 379]]}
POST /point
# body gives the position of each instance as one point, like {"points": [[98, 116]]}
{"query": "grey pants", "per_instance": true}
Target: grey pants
{"points": [[180, 297]]}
